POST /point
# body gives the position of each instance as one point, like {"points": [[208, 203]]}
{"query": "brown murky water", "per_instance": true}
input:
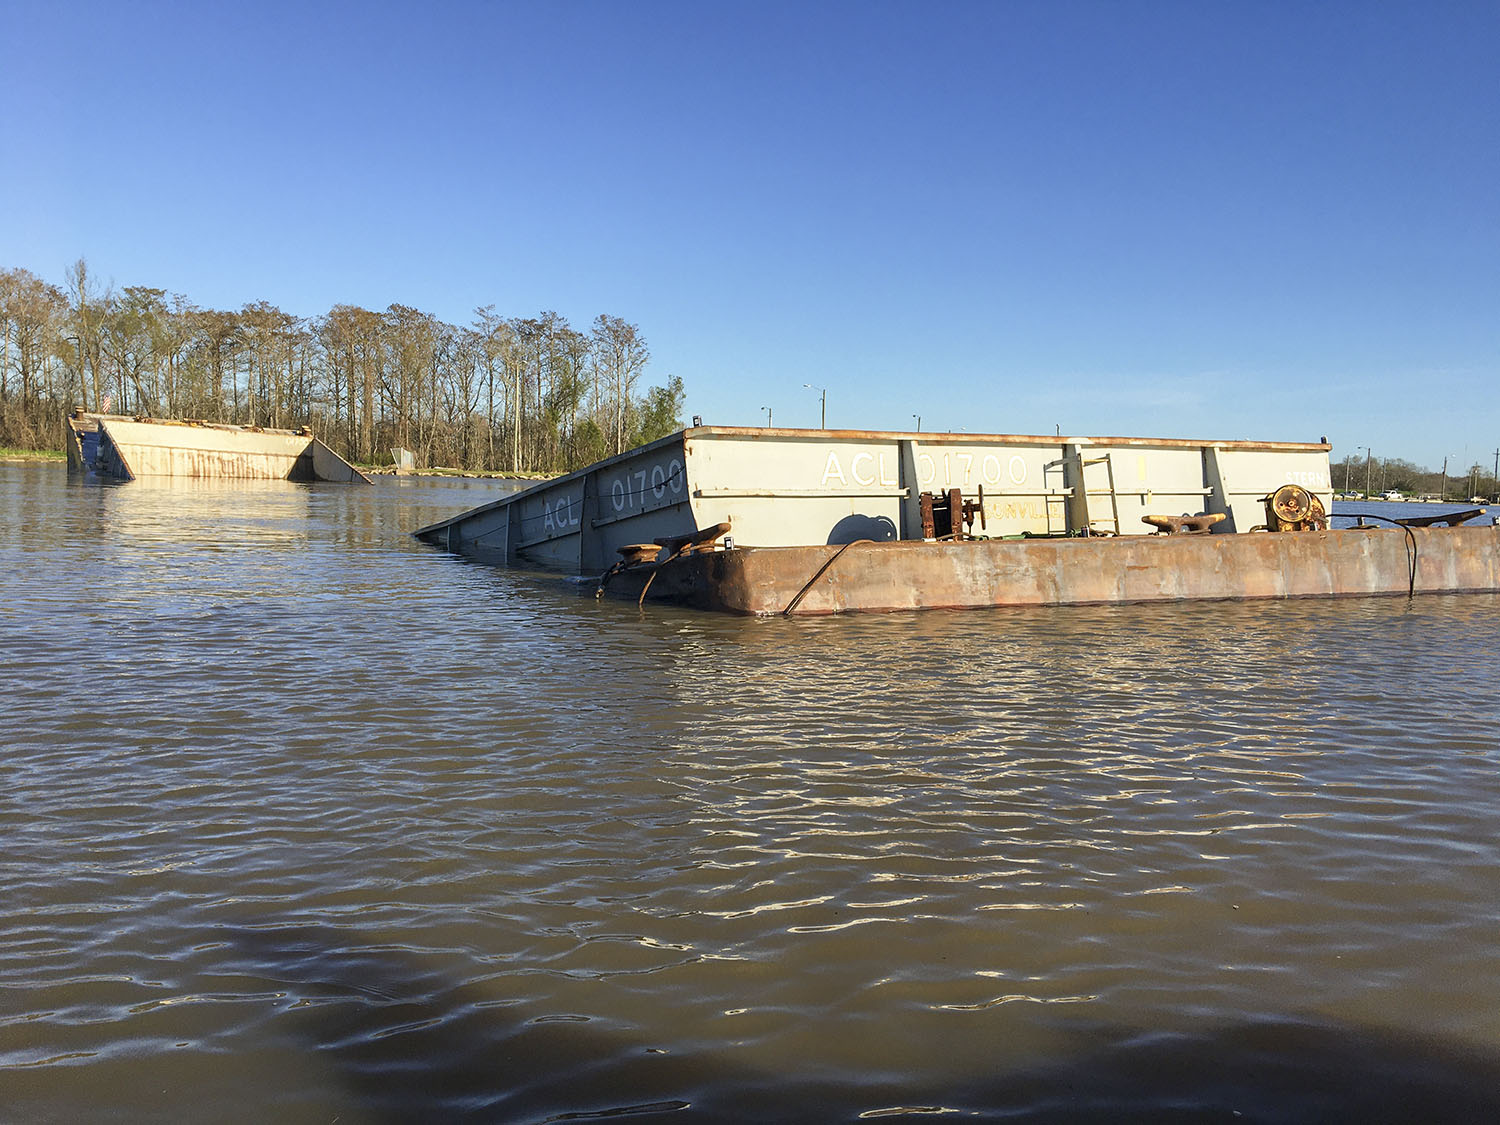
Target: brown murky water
{"points": [[304, 821]]}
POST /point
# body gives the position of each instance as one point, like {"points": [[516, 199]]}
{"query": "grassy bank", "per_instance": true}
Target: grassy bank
{"points": [[390, 470], [32, 454]]}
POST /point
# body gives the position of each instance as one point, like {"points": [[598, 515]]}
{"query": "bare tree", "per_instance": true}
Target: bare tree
{"points": [[89, 309], [621, 354], [218, 336], [532, 393]]}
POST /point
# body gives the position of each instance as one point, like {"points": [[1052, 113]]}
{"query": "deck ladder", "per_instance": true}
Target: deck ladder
{"points": [[1114, 498]]}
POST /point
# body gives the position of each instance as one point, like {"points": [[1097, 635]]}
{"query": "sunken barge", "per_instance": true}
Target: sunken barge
{"points": [[776, 521], [125, 448]]}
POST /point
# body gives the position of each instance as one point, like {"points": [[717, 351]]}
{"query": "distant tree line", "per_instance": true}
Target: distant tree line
{"points": [[499, 393], [1377, 475]]}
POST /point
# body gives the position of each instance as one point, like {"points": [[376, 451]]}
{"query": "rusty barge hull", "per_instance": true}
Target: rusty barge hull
{"points": [[975, 574], [126, 448]]}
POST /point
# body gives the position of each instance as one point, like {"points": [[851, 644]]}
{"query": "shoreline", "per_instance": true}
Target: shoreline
{"points": [[47, 457], [471, 474]]}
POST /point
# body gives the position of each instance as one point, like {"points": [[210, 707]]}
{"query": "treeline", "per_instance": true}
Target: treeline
{"points": [[1376, 475], [501, 393]]}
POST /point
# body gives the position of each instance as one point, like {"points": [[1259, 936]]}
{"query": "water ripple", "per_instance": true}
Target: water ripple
{"points": [[306, 821]]}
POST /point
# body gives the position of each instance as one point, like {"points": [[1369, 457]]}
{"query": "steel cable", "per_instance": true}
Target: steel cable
{"points": [[822, 570], [1411, 551]]}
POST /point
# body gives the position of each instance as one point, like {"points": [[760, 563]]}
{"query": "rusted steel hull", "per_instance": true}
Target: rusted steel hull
{"points": [[876, 577]]}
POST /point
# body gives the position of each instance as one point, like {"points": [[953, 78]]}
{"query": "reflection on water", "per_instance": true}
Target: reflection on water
{"points": [[307, 821]]}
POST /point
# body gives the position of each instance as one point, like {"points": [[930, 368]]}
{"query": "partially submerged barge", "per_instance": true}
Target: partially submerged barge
{"points": [[768, 521], [125, 448]]}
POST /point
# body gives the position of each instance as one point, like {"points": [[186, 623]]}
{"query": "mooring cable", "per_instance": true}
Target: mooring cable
{"points": [[607, 575], [1411, 550], [684, 549], [822, 570], [625, 564]]}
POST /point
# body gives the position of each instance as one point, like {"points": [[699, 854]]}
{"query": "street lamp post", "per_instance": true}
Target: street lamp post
{"points": [[823, 391], [918, 417], [767, 409], [1368, 455]]}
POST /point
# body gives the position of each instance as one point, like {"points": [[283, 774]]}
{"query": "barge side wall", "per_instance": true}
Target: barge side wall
{"points": [[800, 488], [579, 521], [877, 577], [131, 449], [817, 487]]}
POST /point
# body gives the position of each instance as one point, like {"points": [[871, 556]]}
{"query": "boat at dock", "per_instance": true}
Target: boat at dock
{"points": [[125, 448], [768, 521]]}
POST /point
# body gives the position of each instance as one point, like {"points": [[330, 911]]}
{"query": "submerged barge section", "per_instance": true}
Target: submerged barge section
{"points": [[577, 522], [127, 448]]}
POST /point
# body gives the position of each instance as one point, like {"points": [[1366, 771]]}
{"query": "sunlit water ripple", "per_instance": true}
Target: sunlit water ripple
{"points": [[305, 821]]}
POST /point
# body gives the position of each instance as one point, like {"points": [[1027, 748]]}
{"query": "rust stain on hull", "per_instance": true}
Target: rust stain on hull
{"points": [[877, 577]]}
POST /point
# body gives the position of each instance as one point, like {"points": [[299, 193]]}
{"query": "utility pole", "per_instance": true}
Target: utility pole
{"points": [[1368, 455], [1443, 494], [823, 419]]}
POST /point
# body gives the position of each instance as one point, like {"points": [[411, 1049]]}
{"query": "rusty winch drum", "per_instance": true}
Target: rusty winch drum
{"points": [[1293, 508]]}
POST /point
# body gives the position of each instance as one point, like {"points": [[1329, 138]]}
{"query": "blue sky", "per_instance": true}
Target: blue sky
{"points": [[1208, 219]]}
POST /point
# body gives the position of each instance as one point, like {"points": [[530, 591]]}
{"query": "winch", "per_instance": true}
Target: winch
{"points": [[949, 515], [1293, 508]]}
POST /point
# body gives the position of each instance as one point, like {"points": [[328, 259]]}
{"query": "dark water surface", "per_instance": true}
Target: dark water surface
{"points": [[304, 821], [1381, 513]]}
